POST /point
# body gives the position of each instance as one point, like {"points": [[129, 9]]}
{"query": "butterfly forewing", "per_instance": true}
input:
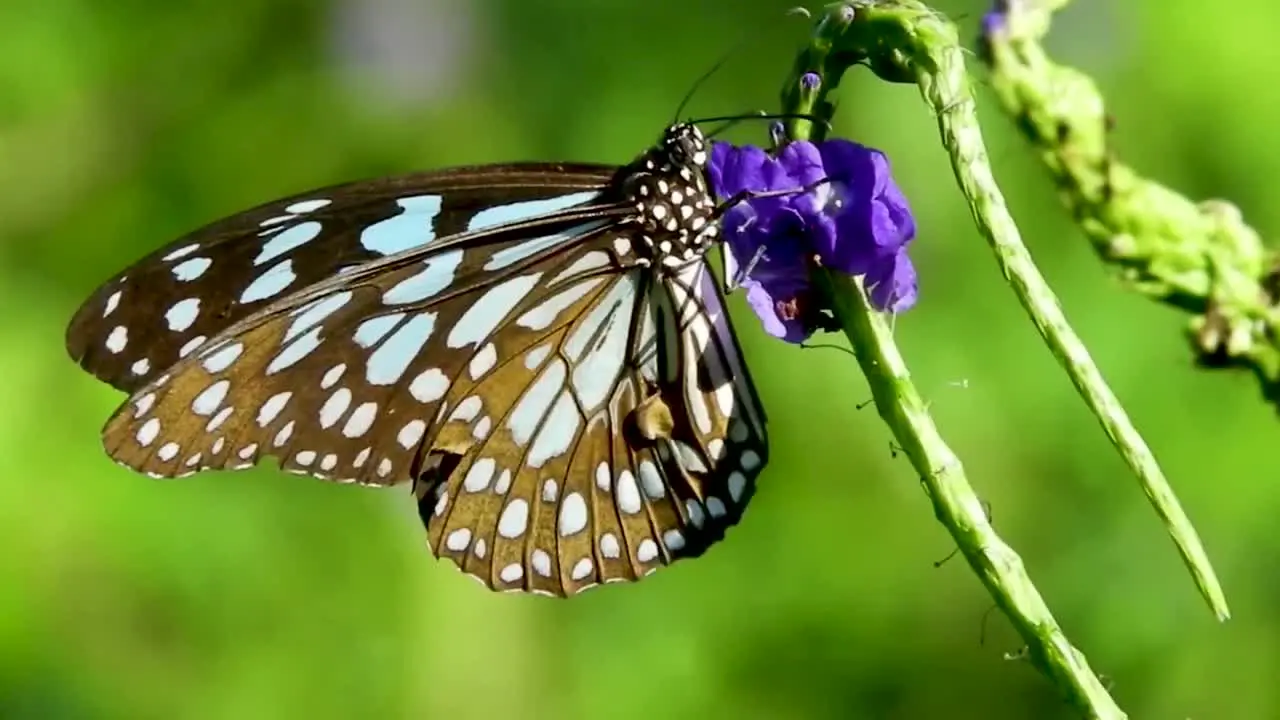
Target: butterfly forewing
{"points": [[541, 350], [142, 321]]}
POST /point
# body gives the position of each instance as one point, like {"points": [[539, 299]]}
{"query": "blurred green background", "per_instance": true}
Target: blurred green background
{"points": [[257, 595]]}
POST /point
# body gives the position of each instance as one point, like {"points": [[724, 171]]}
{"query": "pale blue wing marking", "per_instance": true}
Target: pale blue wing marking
{"points": [[436, 275], [516, 253], [394, 356], [515, 212], [374, 329], [271, 282], [412, 228], [279, 244]]}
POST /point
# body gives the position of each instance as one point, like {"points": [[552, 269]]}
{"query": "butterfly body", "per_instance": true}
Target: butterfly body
{"points": [[541, 350]]}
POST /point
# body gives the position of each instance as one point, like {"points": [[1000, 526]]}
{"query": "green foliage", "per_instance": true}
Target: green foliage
{"points": [[255, 595]]}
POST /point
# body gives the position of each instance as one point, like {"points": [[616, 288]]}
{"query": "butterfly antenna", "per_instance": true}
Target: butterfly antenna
{"points": [[702, 79]]}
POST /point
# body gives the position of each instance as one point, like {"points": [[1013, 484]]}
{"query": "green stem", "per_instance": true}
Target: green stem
{"points": [[899, 404], [905, 41], [1201, 258]]}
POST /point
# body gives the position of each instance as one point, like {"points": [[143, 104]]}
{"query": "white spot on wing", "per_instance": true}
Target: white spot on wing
{"points": [[573, 515], [118, 339]]}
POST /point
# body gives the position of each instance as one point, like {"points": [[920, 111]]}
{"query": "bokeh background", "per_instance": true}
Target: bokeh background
{"points": [[257, 595]]}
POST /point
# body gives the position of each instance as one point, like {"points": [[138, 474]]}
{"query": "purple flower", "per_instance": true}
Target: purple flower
{"points": [[833, 204]]}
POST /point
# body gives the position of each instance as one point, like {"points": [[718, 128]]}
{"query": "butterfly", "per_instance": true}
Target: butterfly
{"points": [[541, 352]]}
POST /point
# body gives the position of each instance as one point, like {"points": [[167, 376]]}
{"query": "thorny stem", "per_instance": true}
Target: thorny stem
{"points": [[1201, 258]]}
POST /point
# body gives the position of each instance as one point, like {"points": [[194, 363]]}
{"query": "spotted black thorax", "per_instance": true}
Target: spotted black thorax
{"points": [[675, 206]]}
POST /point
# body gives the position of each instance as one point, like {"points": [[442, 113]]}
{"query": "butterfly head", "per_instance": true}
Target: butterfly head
{"points": [[673, 200]]}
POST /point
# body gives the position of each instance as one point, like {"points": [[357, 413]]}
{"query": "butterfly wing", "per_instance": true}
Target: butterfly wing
{"points": [[570, 417], [145, 319], [637, 442]]}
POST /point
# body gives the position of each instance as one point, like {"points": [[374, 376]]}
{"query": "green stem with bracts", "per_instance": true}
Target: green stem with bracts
{"points": [[904, 41], [1201, 258]]}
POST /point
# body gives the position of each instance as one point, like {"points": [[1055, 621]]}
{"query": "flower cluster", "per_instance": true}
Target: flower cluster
{"points": [[833, 204]]}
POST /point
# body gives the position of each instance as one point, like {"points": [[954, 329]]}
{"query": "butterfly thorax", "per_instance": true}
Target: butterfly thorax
{"points": [[673, 202]]}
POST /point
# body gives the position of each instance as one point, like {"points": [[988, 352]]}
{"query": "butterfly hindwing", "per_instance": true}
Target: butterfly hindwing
{"points": [[636, 442], [145, 319]]}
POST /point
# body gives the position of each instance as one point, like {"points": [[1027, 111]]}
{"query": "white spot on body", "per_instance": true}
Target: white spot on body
{"points": [[140, 367], [306, 457], [168, 451], [550, 491], [673, 539], [750, 460]]}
